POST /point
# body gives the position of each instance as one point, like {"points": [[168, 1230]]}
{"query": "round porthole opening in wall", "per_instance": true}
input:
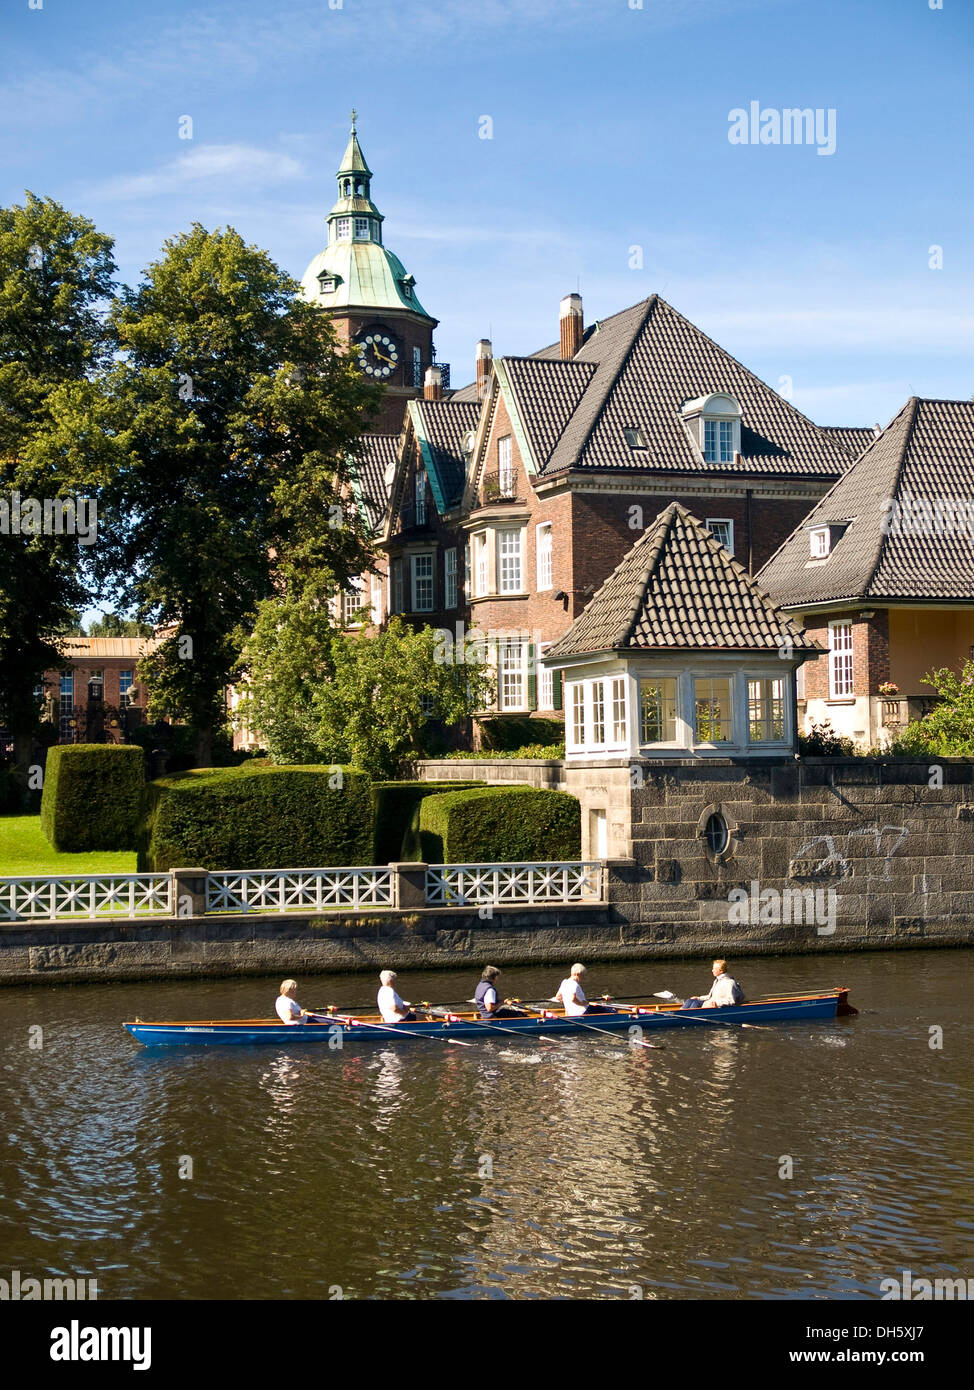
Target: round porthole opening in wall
{"points": [[716, 833]]}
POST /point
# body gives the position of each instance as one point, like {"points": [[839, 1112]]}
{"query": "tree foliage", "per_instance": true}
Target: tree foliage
{"points": [[948, 730]]}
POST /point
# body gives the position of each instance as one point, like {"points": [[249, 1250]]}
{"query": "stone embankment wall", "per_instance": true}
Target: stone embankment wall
{"points": [[869, 853]]}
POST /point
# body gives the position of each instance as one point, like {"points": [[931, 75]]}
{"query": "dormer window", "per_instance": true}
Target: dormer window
{"points": [[819, 542], [635, 438], [714, 424], [328, 284]]}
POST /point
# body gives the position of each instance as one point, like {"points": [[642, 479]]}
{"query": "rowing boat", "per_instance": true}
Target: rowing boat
{"points": [[778, 1008]]}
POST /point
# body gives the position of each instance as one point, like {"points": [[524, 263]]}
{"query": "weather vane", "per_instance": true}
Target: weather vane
{"points": [[354, 114]]}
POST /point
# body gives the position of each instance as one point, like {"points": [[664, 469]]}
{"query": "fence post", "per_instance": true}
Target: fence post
{"points": [[409, 886], [189, 892]]}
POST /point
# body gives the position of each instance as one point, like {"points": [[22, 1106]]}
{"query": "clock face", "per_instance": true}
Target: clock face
{"points": [[380, 353]]}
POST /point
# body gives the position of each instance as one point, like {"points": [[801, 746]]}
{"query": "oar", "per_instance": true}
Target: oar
{"points": [[656, 1047], [534, 1037], [397, 1029]]}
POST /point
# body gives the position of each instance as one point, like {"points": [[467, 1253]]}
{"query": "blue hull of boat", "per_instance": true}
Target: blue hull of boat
{"points": [[771, 1011]]}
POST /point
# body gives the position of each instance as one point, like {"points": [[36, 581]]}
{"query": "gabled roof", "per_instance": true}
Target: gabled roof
{"points": [[375, 459], [547, 395], [678, 589], [904, 538], [440, 427]]}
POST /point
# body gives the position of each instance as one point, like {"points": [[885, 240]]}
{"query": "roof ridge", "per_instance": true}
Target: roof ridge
{"points": [[912, 406]]}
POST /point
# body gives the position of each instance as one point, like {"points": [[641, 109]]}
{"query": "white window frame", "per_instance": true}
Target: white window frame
{"points": [[481, 563], [546, 681], [505, 465], [842, 672], [724, 435], [576, 729], [450, 578], [511, 674], [544, 554], [819, 543], [343, 229], [421, 585], [713, 521], [618, 703], [376, 599], [362, 229], [767, 700], [506, 581], [652, 679], [728, 721]]}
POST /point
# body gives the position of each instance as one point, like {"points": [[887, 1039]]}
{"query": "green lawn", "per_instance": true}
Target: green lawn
{"points": [[24, 850]]}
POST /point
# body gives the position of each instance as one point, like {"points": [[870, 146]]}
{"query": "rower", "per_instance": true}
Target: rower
{"points": [[391, 1007], [288, 1008], [724, 991], [571, 996], [485, 997]]}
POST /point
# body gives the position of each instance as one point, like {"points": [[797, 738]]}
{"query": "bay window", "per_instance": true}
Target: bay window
{"points": [[712, 710], [766, 711], [657, 711]]}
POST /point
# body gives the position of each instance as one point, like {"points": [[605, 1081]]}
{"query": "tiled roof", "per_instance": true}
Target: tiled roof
{"points": [[679, 589], [463, 394], [440, 427], [547, 394], [853, 438], [898, 544], [375, 457], [650, 362]]}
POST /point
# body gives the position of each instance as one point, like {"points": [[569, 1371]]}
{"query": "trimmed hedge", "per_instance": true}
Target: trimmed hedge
{"points": [[503, 824], [257, 817], [396, 805], [93, 796]]}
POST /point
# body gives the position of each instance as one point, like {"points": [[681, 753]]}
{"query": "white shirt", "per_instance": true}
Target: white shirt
{"points": [[570, 992], [288, 1010], [391, 1007], [722, 991], [490, 997]]}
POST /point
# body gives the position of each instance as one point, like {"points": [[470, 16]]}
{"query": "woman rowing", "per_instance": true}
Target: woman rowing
{"points": [[288, 1009], [485, 997], [391, 1007], [572, 997]]}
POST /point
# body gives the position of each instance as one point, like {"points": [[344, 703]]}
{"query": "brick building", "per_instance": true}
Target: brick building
{"points": [[881, 573], [96, 693]]}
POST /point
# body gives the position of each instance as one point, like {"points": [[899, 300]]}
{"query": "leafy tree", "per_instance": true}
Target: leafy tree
{"points": [[948, 730], [111, 625], [56, 273], [232, 416], [385, 690], [284, 661]]}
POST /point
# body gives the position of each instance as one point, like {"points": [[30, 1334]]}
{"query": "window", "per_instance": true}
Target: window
{"points": [[716, 833], [619, 730], [543, 547], [546, 681], [124, 686], [505, 466], [362, 229], [421, 569], [766, 711], [395, 585], [420, 497], [598, 711], [426, 705], [841, 684], [96, 685], [343, 228], [351, 604], [481, 562], [635, 438], [66, 702], [467, 573], [417, 368], [657, 711], [722, 530], [328, 284], [450, 578], [712, 711], [819, 542], [512, 674], [376, 604], [578, 715], [509, 546], [718, 441]]}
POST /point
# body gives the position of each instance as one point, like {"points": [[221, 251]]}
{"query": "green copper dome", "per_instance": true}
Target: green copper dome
{"points": [[355, 269]]}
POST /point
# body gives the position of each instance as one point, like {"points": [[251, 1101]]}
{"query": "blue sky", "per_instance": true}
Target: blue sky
{"points": [[610, 131]]}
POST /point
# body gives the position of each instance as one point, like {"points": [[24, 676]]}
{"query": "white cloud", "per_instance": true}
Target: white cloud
{"points": [[204, 167]]}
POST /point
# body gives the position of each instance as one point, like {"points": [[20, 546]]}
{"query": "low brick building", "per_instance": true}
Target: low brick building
{"points": [[96, 694]]}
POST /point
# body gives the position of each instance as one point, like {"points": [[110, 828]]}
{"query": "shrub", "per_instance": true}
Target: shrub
{"points": [[395, 804], [824, 742], [499, 824], [258, 817], [503, 735], [530, 750], [93, 796]]}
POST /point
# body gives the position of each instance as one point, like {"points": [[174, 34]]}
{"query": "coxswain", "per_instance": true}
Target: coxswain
{"points": [[485, 997], [391, 1007], [724, 991]]}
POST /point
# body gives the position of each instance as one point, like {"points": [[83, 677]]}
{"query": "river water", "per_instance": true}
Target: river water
{"points": [[808, 1161]]}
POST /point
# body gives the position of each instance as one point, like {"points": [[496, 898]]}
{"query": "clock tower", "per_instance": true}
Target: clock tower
{"points": [[369, 294]]}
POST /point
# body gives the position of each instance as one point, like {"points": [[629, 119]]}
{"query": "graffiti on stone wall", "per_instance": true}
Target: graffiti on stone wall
{"points": [[878, 841]]}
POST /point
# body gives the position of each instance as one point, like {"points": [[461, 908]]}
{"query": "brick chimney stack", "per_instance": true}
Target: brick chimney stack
{"points": [[485, 356], [433, 384], [571, 325]]}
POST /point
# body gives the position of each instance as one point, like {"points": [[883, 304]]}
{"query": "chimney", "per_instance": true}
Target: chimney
{"points": [[484, 355], [433, 384], [570, 323]]}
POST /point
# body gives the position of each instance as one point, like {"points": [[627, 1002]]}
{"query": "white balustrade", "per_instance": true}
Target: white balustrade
{"points": [[462, 885], [87, 896], [299, 890]]}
